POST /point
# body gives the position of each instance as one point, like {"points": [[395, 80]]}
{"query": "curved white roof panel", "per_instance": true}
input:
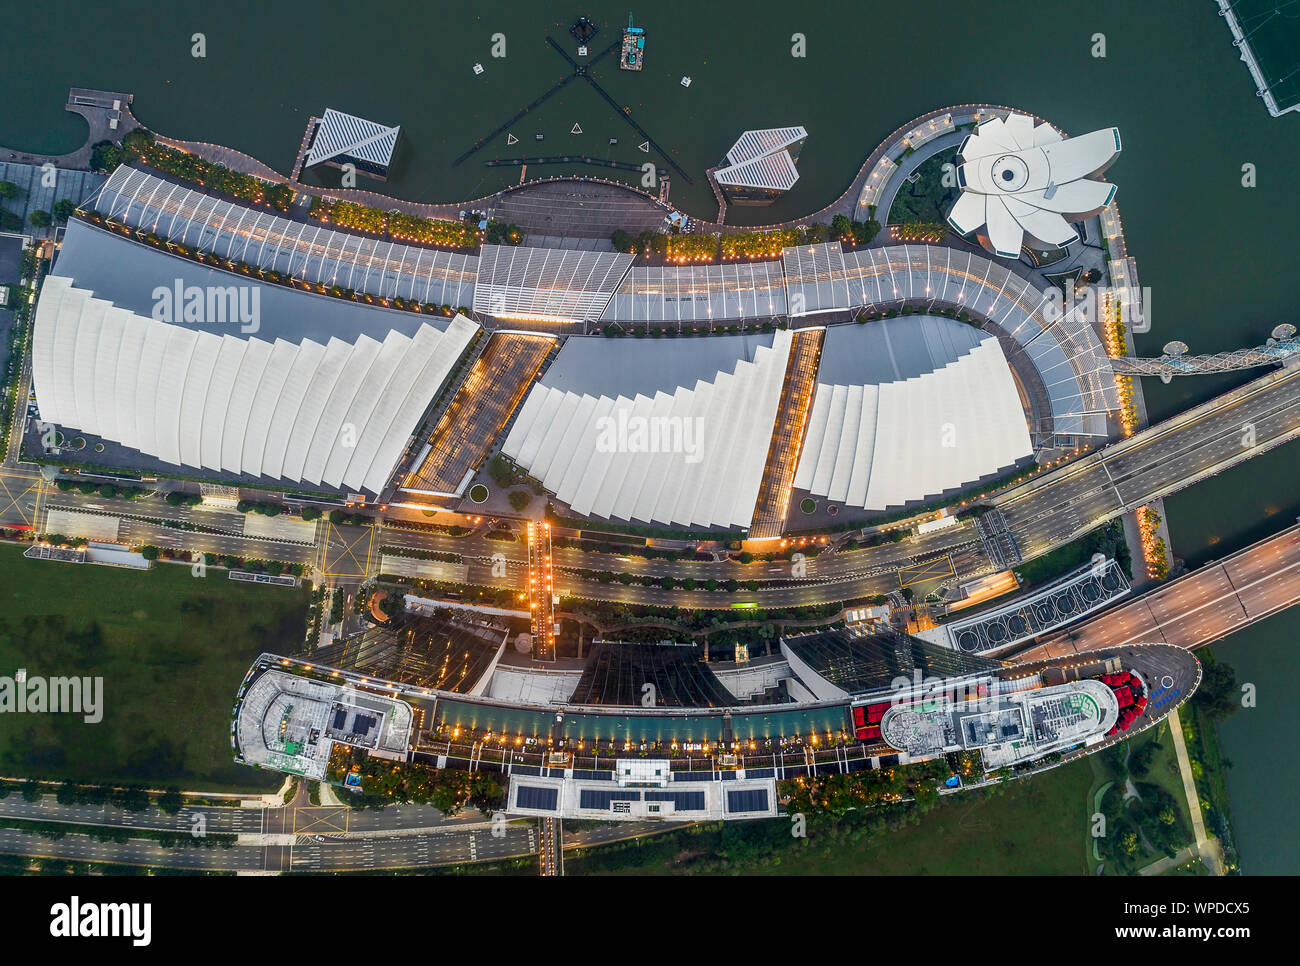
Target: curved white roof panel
{"points": [[337, 414], [763, 141], [690, 453], [918, 433], [776, 172], [1018, 180], [762, 159], [1064, 348]]}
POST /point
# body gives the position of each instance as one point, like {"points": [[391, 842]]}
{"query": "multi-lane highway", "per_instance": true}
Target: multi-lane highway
{"points": [[1198, 608], [1048, 510], [297, 837], [1229, 429]]}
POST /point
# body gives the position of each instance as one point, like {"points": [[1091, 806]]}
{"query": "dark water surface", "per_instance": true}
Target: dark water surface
{"points": [[1218, 257]]}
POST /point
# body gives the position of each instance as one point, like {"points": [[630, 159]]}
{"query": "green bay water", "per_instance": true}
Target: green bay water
{"points": [[1218, 257]]}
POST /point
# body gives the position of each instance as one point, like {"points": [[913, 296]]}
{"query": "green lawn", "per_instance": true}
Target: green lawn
{"points": [[1107, 539], [172, 650], [928, 200], [1031, 826]]}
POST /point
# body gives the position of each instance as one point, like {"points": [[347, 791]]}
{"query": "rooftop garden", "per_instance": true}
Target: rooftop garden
{"points": [[692, 248], [746, 245], [759, 244], [401, 225], [929, 193]]}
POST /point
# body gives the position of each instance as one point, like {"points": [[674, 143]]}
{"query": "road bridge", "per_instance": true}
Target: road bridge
{"points": [[1202, 442], [1198, 608]]}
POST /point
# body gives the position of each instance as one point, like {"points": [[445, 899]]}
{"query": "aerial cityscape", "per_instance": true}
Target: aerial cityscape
{"points": [[608, 446]]}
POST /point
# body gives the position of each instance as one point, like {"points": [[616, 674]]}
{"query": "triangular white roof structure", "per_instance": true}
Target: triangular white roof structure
{"points": [[1020, 179], [353, 137], [761, 159], [756, 144]]}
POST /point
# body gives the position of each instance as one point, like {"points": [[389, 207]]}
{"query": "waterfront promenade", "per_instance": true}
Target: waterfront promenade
{"points": [[99, 109]]}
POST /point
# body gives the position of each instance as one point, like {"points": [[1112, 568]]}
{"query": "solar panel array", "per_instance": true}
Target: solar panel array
{"points": [[543, 798], [307, 250], [746, 800], [599, 798], [682, 801]]}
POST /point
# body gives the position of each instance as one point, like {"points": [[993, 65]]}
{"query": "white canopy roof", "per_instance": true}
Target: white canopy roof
{"points": [[553, 284], [340, 134], [1020, 179], [338, 414], [761, 159], [884, 445]]}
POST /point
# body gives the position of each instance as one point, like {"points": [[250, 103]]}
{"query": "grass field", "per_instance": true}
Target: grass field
{"points": [[171, 649], [1033, 826]]}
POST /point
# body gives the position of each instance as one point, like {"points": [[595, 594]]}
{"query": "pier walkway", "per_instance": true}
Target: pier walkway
{"points": [[99, 109]]}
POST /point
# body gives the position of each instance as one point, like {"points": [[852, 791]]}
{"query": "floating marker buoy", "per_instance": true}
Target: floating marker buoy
{"points": [[511, 139], [575, 129], [644, 146]]}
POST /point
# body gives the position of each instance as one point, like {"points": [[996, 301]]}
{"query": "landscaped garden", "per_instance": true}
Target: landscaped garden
{"points": [[140, 144], [929, 198], [400, 225]]}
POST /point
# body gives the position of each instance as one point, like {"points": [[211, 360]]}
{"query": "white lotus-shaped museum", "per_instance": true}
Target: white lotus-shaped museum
{"points": [[1025, 181]]}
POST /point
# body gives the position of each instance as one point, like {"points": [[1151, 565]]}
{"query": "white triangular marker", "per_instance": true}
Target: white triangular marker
{"points": [[644, 146], [576, 129], [511, 139]]}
